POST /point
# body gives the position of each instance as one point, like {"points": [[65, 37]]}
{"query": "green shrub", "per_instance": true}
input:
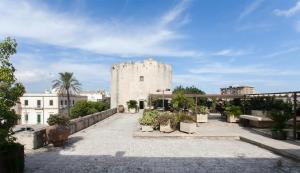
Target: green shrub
{"points": [[150, 119], [279, 118], [183, 117], [132, 104], [165, 118], [202, 110], [83, 108], [58, 119], [232, 110]]}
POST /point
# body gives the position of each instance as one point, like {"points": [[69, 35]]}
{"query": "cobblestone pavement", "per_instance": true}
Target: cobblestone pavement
{"points": [[109, 146]]}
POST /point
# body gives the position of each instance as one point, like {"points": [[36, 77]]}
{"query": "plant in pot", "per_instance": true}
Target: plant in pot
{"points": [[280, 119], [132, 106], [202, 114], [58, 131], [233, 113], [149, 121], [167, 122], [186, 122], [11, 153], [121, 109]]}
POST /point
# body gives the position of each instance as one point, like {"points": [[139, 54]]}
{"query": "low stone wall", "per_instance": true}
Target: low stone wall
{"points": [[38, 138], [86, 121]]}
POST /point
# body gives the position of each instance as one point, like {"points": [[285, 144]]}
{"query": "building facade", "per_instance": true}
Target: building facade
{"points": [[94, 96], [238, 90], [136, 80], [37, 108]]}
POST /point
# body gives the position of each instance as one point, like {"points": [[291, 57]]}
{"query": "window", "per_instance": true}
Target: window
{"points": [[26, 117], [73, 102], [26, 102], [66, 102], [51, 102], [61, 102], [141, 78], [38, 102], [38, 118]]}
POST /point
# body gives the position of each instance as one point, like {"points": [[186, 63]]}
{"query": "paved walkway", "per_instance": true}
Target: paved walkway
{"points": [[109, 146]]}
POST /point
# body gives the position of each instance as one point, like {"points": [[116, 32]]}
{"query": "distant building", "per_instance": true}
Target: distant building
{"points": [[238, 90], [136, 80], [95, 96], [37, 108]]}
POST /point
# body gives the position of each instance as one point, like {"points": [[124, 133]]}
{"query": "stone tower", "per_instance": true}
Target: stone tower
{"points": [[136, 80]]}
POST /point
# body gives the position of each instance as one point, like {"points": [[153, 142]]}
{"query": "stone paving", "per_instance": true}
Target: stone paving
{"points": [[109, 146]]}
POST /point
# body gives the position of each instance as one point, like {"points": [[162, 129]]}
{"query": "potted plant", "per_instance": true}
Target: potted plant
{"points": [[187, 123], [121, 109], [233, 113], [280, 119], [149, 121], [166, 122], [202, 114], [58, 131], [11, 153], [132, 106]]}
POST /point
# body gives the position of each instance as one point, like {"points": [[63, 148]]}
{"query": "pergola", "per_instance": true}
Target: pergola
{"points": [[293, 94]]}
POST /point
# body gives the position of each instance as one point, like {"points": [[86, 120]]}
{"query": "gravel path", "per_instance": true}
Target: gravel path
{"points": [[109, 146]]}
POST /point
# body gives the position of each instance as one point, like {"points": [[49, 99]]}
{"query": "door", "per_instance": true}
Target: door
{"points": [[141, 104]]}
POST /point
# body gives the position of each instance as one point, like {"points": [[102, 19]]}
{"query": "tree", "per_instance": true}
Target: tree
{"points": [[180, 101], [10, 91], [66, 85], [83, 108], [188, 90]]}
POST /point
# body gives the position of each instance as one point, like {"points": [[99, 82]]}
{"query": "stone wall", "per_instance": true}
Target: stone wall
{"points": [[38, 138]]}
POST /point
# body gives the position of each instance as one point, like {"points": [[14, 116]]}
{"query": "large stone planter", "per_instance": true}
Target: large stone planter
{"points": [[188, 127], [147, 128], [12, 160], [202, 118], [232, 119], [132, 110], [166, 128], [58, 134]]}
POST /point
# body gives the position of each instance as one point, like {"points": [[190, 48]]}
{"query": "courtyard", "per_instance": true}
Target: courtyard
{"points": [[110, 146]]}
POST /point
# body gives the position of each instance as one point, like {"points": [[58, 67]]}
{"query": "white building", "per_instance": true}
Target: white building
{"points": [[94, 96], [136, 80], [37, 108]]}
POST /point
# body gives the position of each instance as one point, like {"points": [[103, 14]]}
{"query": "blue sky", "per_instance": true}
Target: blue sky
{"points": [[209, 43]]}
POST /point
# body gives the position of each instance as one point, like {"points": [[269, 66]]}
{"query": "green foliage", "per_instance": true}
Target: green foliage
{"points": [[150, 118], [132, 104], [181, 102], [279, 118], [267, 104], [188, 90], [232, 110], [10, 91], [165, 118], [58, 119], [83, 108], [202, 110], [183, 117], [66, 85]]}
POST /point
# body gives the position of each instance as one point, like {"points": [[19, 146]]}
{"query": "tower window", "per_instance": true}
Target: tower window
{"points": [[141, 78]]}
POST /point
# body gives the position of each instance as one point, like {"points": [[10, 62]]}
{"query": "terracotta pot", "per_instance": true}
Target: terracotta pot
{"points": [[12, 160], [121, 109], [58, 134]]}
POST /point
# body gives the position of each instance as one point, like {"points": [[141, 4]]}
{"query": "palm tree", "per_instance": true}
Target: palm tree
{"points": [[66, 85]]}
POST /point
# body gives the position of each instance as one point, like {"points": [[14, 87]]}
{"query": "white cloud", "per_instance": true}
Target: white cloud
{"points": [[229, 52], [289, 12], [257, 70], [250, 9], [33, 69], [282, 52], [33, 21]]}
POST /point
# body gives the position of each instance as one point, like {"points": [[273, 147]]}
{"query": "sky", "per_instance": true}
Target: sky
{"points": [[209, 43]]}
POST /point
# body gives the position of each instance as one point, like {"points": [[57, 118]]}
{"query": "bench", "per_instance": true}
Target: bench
{"points": [[255, 121]]}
